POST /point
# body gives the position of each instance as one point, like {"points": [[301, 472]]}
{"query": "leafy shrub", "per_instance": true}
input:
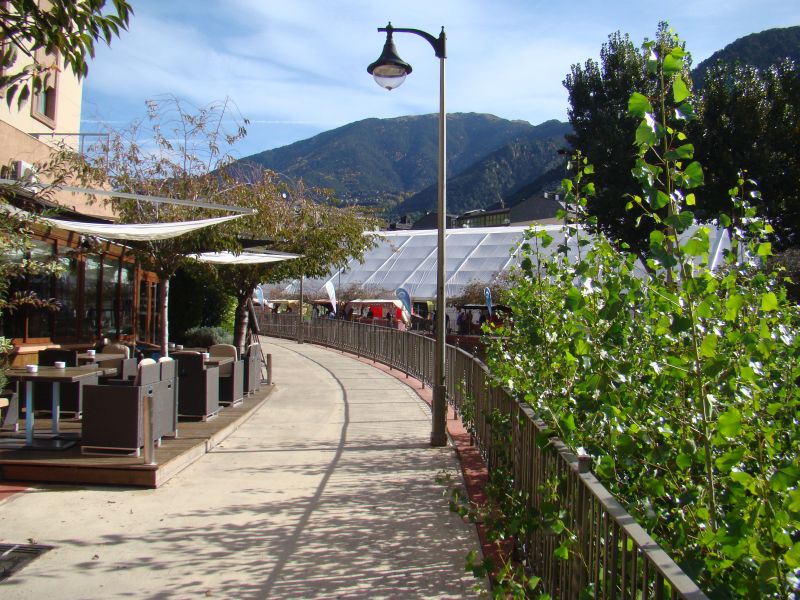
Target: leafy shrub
{"points": [[206, 336], [682, 384]]}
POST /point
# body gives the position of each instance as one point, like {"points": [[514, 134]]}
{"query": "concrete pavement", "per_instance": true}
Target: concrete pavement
{"points": [[328, 491]]}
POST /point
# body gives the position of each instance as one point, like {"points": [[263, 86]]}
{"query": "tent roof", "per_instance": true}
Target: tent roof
{"points": [[408, 259], [243, 258]]}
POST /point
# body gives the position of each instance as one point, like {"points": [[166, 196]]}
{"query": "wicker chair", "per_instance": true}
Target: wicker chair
{"points": [[116, 349], [252, 369], [9, 415], [198, 387], [169, 375], [231, 375], [113, 418]]}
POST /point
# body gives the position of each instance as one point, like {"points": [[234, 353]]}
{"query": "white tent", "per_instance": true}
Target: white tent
{"points": [[408, 259], [244, 258], [140, 232]]}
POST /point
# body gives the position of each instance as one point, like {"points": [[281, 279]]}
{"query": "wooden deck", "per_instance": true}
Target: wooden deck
{"points": [[71, 467]]}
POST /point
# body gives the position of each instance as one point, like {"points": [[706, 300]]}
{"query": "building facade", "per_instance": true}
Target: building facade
{"points": [[101, 291]]}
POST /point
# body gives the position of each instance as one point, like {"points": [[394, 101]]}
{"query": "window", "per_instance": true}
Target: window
{"points": [[66, 319], [91, 282], [43, 107], [109, 302]]}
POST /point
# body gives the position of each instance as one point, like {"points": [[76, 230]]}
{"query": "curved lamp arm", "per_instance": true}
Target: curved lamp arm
{"points": [[438, 43]]}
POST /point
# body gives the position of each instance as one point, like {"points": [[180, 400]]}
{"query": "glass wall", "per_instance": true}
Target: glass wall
{"points": [[67, 292], [26, 317], [97, 293], [91, 280], [127, 290], [109, 306]]}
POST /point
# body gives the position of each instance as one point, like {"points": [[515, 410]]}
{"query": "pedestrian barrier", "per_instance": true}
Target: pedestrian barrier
{"points": [[610, 555]]}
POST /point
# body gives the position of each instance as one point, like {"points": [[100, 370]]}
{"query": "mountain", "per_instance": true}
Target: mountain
{"points": [[497, 175], [384, 161], [760, 50]]}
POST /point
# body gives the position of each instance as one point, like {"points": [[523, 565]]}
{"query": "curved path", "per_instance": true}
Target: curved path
{"points": [[328, 491]]}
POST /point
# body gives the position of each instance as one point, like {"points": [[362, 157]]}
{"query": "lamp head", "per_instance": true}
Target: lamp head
{"points": [[389, 70]]}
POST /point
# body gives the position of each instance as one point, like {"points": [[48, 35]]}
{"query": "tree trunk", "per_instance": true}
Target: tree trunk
{"points": [[163, 326], [241, 323]]}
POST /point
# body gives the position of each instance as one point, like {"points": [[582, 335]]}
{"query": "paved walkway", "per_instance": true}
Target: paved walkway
{"points": [[328, 491]]}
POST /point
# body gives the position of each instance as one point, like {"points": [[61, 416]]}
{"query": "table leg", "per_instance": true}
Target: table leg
{"points": [[56, 406], [29, 413]]}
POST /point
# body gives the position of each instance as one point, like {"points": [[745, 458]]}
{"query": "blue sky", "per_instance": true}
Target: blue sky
{"points": [[296, 68]]}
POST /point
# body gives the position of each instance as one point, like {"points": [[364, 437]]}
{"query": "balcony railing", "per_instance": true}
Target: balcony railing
{"points": [[610, 554]]}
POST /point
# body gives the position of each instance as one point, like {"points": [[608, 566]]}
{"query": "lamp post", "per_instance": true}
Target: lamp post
{"points": [[389, 72]]}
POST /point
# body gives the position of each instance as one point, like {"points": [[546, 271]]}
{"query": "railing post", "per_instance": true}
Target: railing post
{"points": [[269, 369], [147, 417]]}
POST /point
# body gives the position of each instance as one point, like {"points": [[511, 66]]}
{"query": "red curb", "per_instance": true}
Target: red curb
{"points": [[473, 467], [7, 490]]}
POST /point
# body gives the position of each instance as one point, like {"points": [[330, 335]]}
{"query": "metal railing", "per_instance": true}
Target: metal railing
{"points": [[610, 554]]}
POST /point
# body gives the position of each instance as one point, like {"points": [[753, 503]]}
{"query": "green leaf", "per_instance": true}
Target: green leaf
{"points": [[792, 557], [730, 423], [672, 63], [684, 461], [639, 105], [681, 221], [732, 306], [645, 136], [568, 423], [562, 552], [769, 302], [693, 175], [574, 299], [708, 348], [729, 460], [685, 112], [744, 479], [659, 201], [679, 90], [765, 249], [698, 244], [784, 478]]}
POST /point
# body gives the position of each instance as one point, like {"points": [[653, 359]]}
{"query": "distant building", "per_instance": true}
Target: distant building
{"points": [[484, 218], [541, 208], [429, 221], [401, 224]]}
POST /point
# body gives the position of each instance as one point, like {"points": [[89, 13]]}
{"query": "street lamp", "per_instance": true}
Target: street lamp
{"points": [[389, 72]]}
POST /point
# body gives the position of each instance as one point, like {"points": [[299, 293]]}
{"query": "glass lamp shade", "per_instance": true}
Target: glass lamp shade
{"points": [[389, 76], [389, 70]]}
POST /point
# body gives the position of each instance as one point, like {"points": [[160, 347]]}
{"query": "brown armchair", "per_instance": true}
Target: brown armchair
{"points": [[169, 375], [113, 417], [231, 375], [198, 386], [252, 369]]}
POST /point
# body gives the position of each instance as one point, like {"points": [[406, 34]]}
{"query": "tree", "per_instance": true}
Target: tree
{"points": [[603, 129], [302, 221], [761, 106], [67, 28], [176, 152]]}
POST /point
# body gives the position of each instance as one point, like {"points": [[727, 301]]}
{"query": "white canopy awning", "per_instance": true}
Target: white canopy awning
{"points": [[140, 232], [245, 258]]}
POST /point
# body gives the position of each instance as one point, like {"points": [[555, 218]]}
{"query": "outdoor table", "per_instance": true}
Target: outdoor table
{"points": [[55, 376], [84, 358]]}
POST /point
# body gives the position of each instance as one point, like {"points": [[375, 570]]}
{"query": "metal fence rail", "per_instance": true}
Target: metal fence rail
{"points": [[610, 555]]}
